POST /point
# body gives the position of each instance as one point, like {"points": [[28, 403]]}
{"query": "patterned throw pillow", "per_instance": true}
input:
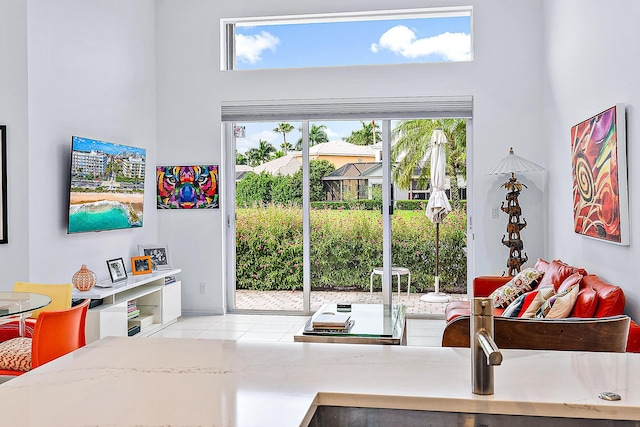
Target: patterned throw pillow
{"points": [[513, 309], [541, 295], [522, 282], [560, 305]]}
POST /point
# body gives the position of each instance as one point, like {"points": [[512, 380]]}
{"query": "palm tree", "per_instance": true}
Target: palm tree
{"points": [[368, 135], [253, 157], [241, 159], [261, 153], [317, 135], [265, 149], [412, 140], [286, 146], [284, 129], [113, 168]]}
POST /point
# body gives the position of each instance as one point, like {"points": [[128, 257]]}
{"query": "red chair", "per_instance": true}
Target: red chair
{"points": [[56, 333]]}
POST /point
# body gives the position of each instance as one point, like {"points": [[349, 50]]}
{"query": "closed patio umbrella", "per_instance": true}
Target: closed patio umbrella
{"points": [[438, 206]]}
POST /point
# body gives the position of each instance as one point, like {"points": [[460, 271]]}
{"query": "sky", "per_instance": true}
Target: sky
{"points": [[345, 43], [336, 130], [353, 43], [86, 144]]}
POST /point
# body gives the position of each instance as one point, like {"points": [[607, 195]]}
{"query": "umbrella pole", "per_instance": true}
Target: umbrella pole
{"points": [[436, 296], [437, 278]]}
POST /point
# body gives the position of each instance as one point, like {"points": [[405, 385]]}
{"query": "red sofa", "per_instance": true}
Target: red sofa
{"points": [[610, 300]]}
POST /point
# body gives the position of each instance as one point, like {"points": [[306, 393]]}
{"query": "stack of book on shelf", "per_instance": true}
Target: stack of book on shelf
{"points": [[329, 322], [132, 309], [169, 279]]}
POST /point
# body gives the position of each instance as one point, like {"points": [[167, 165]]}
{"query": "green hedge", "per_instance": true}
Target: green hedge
{"points": [[411, 205], [352, 205], [345, 247]]}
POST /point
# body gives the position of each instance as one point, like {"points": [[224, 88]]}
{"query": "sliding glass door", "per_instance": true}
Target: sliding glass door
{"points": [[324, 210], [308, 215]]}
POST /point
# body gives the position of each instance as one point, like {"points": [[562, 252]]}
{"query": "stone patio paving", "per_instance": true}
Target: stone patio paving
{"points": [[292, 301]]}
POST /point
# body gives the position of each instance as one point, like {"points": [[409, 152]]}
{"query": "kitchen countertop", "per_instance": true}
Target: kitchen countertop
{"points": [[161, 381]]}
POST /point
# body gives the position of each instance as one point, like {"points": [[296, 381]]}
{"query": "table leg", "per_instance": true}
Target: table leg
{"points": [[21, 326], [371, 285], [409, 284]]}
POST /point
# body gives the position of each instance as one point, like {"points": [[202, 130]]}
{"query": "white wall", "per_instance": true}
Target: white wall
{"points": [[504, 78], [591, 61], [14, 256], [540, 67], [91, 73]]}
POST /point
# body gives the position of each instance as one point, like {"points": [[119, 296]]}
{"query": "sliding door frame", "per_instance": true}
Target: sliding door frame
{"points": [[304, 111]]}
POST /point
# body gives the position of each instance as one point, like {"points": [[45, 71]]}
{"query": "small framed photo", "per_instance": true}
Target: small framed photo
{"points": [[141, 265], [117, 270], [159, 255]]}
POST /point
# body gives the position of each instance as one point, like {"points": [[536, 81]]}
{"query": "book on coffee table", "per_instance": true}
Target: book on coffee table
{"points": [[331, 320]]}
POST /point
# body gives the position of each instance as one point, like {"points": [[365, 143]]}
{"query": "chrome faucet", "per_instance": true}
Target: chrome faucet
{"points": [[485, 354]]}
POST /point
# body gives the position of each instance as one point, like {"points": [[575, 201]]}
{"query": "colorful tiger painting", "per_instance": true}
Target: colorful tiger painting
{"points": [[187, 187]]}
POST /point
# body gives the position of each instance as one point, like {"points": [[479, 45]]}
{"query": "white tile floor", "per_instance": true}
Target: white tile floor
{"points": [[276, 328]]}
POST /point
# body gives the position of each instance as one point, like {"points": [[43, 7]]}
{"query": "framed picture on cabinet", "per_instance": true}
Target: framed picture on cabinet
{"points": [[141, 265], [159, 254], [117, 270]]}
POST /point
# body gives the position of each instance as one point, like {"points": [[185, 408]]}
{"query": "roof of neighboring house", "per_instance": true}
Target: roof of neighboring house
{"points": [[242, 170], [366, 170], [341, 148], [352, 170], [285, 165]]}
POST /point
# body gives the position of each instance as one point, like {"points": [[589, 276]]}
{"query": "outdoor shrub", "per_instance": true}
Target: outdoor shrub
{"points": [[254, 188], [356, 204], [345, 247], [284, 191], [411, 205]]}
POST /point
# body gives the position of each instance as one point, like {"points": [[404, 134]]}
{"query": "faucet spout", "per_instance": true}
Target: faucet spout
{"points": [[485, 354], [489, 347]]}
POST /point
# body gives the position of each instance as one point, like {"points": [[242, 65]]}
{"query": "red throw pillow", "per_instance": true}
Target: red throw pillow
{"points": [[541, 265], [555, 274], [573, 279], [586, 303]]}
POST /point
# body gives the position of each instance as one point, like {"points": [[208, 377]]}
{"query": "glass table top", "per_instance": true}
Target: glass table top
{"points": [[12, 303], [369, 320]]}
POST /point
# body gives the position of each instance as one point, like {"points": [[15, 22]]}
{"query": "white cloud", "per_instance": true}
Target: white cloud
{"points": [[250, 48], [403, 41]]}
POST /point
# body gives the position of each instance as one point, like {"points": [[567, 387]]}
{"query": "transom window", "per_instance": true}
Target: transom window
{"points": [[388, 37]]}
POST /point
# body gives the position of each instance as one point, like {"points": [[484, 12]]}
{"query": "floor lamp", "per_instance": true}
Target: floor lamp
{"points": [[510, 165]]}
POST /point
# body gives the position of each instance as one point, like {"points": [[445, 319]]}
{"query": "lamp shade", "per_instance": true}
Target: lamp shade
{"points": [[512, 164]]}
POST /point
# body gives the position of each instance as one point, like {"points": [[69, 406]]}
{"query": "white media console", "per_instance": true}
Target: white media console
{"points": [[160, 305]]}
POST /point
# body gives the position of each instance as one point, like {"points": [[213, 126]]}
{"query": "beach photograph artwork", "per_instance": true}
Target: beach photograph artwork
{"points": [[107, 186]]}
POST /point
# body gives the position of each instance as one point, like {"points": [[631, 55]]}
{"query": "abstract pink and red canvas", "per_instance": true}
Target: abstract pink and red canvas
{"points": [[599, 164]]}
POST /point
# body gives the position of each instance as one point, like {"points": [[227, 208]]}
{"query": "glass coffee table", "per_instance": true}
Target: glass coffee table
{"points": [[372, 324]]}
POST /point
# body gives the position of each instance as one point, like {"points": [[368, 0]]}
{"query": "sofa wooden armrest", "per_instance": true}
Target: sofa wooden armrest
{"points": [[573, 334]]}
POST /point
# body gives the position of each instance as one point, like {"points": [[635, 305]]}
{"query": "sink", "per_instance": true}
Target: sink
{"points": [[338, 416]]}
